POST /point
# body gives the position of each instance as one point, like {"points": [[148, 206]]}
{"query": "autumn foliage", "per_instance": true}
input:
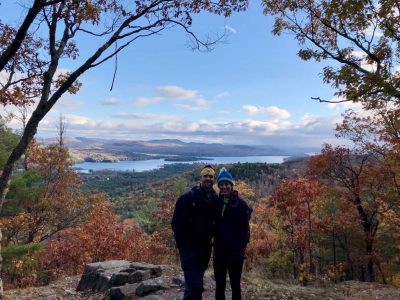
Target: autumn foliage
{"points": [[100, 238], [45, 198], [54, 229], [338, 220]]}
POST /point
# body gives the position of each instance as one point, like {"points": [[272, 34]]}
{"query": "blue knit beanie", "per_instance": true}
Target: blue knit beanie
{"points": [[224, 175]]}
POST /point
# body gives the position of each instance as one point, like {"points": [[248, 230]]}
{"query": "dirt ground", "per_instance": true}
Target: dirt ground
{"points": [[253, 289]]}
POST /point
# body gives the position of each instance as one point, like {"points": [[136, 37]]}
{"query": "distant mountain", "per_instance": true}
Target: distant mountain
{"points": [[167, 141], [174, 147]]}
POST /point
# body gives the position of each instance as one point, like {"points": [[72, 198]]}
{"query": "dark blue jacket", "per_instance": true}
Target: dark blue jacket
{"points": [[232, 223], [193, 221]]}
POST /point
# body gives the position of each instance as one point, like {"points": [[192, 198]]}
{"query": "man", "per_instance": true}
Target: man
{"points": [[193, 226]]}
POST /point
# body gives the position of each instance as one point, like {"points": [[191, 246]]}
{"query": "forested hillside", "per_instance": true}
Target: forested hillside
{"points": [[308, 222]]}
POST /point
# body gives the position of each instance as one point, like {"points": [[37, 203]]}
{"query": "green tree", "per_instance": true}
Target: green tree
{"points": [[8, 140]]}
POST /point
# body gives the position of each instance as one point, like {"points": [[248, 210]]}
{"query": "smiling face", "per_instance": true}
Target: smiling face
{"points": [[207, 181], [225, 188]]}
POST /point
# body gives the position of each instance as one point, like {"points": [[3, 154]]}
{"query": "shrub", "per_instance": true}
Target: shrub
{"points": [[19, 265], [99, 238]]}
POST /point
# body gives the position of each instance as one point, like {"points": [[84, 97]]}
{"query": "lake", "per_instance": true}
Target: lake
{"points": [[151, 164]]}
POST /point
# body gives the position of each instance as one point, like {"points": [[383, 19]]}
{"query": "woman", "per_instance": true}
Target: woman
{"points": [[231, 236]]}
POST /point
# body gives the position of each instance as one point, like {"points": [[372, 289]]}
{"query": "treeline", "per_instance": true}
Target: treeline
{"points": [[116, 183], [134, 193]]}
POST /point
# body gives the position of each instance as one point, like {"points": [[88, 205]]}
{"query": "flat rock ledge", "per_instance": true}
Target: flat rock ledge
{"points": [[121, 279]]}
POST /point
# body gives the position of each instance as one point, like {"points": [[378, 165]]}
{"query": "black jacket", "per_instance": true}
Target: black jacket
{"points": [[232, 223], [193, 221]]}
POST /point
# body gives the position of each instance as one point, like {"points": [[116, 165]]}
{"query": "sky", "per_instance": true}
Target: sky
{"points": [[251, 89]]}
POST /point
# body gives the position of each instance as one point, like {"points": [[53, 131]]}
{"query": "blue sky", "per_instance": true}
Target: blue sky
{"points": [[252, 89]]}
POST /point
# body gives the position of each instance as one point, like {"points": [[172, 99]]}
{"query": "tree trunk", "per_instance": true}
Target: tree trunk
{"points": [[362, 274], [10, 51], [380, 270], [345, 246], [334, 253], [369, 232], [310, 257], [370, 262], [334, 247], [1, 268], [294, 266]]}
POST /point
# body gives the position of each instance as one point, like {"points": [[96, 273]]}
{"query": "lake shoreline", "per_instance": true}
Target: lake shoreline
{"points": [[152, 164]]}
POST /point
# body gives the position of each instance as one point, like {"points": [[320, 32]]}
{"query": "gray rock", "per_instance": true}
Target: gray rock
{"points": [[153, 297], [106, 265], [129, 270], [119, 278], [155, 270], [209, 283], [115, 294], [178, 280], [126, 291], [101, 282], [179, 296], [96, 276], [139, 275], [150, 285], [87, 282]]}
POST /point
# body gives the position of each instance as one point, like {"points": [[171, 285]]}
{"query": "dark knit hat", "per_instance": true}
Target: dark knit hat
{"points": [[224, 175]]}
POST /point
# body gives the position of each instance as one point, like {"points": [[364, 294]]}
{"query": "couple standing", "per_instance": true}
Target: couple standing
{"points": [[201, 215]]}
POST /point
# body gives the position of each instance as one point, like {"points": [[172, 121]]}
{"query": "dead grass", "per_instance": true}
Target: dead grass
{"points": [[255, 287], [258, 287]]}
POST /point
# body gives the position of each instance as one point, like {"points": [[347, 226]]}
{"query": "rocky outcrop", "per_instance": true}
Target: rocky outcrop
{"points": [[150, 285], [121, 279]]}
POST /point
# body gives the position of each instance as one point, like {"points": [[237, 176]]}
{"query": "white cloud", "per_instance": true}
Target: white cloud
{"points": [[277, 113], [310, 130], [110, 101], [180, 126], [3, 77], [251, 109], [196, 104], [176, 92], [61, 71], [309, 119], [145, 101], [256, 126], [221, 95], [342, 106], [142, 116], [361, 55], [273, 112], [358, 54], [229, 28], [373, 31], [75, 120]]}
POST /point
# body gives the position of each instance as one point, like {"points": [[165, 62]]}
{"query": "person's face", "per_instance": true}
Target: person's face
{"points": [[225, 188], [207, 181]]}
